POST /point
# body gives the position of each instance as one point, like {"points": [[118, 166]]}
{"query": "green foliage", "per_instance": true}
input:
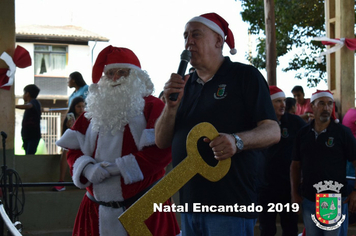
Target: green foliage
{"points": [[297, 22]]}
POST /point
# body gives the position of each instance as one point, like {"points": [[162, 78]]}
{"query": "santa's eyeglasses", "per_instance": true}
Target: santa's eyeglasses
{"points": [[117, 72]]}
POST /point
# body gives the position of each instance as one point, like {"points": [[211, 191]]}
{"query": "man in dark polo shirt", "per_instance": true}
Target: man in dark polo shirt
{"points": [[235, 99], [319, 156], [277, 171]]}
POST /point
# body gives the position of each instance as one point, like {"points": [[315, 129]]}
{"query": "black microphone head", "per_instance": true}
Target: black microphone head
{"points": [[3, 134], [186, 54]]}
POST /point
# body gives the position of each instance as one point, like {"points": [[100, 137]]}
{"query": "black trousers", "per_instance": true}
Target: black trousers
{"points": [[277, 203]]}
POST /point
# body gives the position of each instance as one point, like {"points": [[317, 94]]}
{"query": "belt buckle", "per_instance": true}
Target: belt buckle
{"points": [[114, 204]]}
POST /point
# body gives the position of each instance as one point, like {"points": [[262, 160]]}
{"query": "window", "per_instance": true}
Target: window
{"points": [[51, 60], [50, 69]]}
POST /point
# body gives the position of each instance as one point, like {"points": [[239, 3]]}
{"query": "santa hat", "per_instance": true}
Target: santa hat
{"points": [[114, 57], [321, 93], [218, 25], [276, 92], [325, 93]]}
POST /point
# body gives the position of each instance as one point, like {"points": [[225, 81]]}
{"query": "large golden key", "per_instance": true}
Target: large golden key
{"points": [[133, 218]]}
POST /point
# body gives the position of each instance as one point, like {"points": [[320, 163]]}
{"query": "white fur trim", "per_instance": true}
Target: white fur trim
{"points": [[321, 94], [78, 167], [278, 95], [129, 168], [147, 139], [71, 139], [137, 127], [109, 225], [211, 24], [121, 65], [90, 141]]}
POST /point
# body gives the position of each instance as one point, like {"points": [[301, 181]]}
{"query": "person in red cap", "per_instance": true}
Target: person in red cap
{"points": [[234, 98], [320, 153], [276, 188], [112, 151]]}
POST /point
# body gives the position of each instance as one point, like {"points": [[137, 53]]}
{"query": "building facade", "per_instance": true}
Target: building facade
{"points": [[56, 51]]}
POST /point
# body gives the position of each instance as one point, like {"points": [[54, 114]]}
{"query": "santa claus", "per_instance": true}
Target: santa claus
{"points": [[112, 151]]}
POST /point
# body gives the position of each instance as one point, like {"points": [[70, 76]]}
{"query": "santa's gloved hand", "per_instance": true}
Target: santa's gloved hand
{"points": [[95, 173], [112, 168]]}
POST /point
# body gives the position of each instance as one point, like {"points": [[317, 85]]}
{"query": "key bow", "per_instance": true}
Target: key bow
{"points": [[133, 218]]}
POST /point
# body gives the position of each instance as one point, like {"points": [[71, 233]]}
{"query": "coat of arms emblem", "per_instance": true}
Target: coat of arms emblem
{"points": [[330, 142], [328, 215], [221, 92], [285, 133]]}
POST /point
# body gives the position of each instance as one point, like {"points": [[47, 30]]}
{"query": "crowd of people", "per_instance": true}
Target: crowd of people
{"points": [[284, 151]]}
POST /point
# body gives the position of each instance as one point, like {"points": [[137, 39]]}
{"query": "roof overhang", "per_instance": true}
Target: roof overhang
{"points": [[56, 34]]}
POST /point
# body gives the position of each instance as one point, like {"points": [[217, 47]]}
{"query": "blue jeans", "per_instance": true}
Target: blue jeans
{"points": [[209, 224], [311, 228]]}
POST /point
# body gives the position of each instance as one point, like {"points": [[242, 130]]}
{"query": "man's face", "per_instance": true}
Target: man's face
{"points": [[201, 41], [115, 74], [322, 108], [279, 105], [299, 96]]}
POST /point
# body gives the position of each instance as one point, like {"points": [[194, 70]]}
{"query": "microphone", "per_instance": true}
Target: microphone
{"points": [[3, 134], [184, 59]]}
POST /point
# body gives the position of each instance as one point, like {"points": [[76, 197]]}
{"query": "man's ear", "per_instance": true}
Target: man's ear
{"points": [[219, 41]]}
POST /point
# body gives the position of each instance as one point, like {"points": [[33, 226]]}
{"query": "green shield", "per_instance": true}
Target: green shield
{"points": [[328, 208]]}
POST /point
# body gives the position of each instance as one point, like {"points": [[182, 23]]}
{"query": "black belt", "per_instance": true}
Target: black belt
{"points": [[126, 203], [108, 204]]}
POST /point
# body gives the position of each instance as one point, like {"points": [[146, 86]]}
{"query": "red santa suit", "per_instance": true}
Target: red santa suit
{"points": [[140, 161]]}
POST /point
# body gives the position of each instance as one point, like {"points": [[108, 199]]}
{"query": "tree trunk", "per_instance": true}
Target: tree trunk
{"points": [[271, 51]]}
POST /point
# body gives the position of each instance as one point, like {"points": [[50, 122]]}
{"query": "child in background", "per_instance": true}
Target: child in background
{"points": [[75, 110], [31, 131]]}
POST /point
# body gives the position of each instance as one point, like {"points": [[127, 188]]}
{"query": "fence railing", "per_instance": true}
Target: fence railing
{"points": [[51, 131]]}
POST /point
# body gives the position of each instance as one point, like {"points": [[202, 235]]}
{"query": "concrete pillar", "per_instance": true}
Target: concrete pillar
{"points": [[340, 18], [7, 97]]}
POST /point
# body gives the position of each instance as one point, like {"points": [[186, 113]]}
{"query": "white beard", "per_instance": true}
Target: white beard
{"points": [[111, 107]]}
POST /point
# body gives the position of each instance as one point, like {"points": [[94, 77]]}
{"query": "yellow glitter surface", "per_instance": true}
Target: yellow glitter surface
{"points": [[133, 218]]}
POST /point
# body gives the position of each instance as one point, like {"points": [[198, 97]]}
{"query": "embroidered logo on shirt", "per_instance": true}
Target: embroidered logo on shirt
{"points": [[285, 133], [330, 142], [221, 93]]}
